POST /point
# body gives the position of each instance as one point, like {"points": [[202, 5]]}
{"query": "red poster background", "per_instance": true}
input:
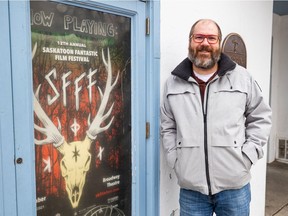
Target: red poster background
{"points": [[108, 179]]}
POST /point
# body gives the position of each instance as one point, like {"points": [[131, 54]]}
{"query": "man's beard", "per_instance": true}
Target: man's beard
{"points": [[204, 63]]}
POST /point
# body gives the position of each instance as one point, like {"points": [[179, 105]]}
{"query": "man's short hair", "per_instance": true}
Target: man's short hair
{"points": [[193, 28]]}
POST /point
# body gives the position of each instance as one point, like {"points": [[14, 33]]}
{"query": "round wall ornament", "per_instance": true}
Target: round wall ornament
{"points": [[234, 46]]}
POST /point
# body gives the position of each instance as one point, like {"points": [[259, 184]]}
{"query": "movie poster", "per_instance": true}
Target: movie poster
{"points": [[82, 110]]}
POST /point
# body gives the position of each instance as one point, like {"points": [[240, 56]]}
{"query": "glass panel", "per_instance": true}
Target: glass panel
{"points": [[82, 110], [286, 149], [281, 148]]}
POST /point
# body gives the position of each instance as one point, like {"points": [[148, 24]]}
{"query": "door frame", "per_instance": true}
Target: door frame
{"points": [[7, 168], [21, 68]]}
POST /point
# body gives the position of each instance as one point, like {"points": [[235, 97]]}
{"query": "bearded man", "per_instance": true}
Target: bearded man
{"points": [[214, 123]]}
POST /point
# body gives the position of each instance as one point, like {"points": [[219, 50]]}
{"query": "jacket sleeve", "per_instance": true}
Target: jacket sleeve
{"points": [[258, 123], [168, 130]]}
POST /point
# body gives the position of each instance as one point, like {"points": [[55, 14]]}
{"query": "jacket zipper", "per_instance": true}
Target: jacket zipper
{"points": [[205, 141]]}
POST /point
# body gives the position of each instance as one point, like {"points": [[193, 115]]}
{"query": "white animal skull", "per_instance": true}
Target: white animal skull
{"points": [[74, 166]]}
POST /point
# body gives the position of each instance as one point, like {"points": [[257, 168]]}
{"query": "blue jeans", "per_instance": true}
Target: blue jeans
{"points": [[225, 203]]}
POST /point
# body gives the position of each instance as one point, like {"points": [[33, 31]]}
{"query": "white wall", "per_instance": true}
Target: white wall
{"points": [[276, 32], [253, 21], [279, 100]]}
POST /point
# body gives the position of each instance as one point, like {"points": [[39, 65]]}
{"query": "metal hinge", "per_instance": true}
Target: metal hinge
{"points": [[147, 130], [147, 26]]}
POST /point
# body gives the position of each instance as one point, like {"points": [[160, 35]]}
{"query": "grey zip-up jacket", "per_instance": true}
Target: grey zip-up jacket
{"points": [[212, 145]]}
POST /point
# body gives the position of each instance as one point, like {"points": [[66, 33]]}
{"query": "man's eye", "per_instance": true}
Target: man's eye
{"points": [[212, 38], [199, 38]]}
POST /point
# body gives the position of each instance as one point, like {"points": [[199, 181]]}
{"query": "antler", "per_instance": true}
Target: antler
{"points": [[52, 133], [95, 127], [50, 130]]}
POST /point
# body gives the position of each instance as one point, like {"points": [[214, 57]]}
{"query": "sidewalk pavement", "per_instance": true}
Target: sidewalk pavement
{"points": [[277, 189]]}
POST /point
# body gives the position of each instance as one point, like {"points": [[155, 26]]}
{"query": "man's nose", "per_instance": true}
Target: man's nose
{"points": [[205, 41]]}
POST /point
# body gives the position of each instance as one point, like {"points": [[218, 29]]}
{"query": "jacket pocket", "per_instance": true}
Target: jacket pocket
{"points": [[189, 165], [171, 158], [228, 165], [225, 101], [247, 161]]}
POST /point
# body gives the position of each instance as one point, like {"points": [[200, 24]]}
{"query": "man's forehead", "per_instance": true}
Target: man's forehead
{"points": [[207, 26]]}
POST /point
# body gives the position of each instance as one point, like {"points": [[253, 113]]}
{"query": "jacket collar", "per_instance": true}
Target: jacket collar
{"points": [[184, 69]]}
